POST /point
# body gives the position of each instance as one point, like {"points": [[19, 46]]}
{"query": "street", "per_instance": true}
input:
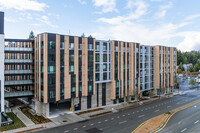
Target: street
{"points": [[126, 121]]}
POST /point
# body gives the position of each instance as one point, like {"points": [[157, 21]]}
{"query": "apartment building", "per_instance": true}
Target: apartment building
{"points": [[164, 69], [18, 65], [66, 72], [147, 70], [1, 65]]}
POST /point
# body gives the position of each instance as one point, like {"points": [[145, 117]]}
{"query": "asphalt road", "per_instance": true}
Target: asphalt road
{"points": [[126, 121], [185, 121]]}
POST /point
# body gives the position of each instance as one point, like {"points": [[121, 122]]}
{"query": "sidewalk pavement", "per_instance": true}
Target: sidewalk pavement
{"points": [[71, 117], [23, 117]]}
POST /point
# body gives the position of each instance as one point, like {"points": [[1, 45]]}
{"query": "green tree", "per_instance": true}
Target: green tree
{"points": [[191, 69], [192, 81], [31, 35], [196, 67]]}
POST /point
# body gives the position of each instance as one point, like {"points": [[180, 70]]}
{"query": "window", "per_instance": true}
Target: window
{"points": [[97, 47], [51, 94], [71, 46], [90, 88], [90, 77], [80, 58], [71, 58], [80, 78], [97, 76], [104, 47], [51, 69], [62, 58], [116, 48], [104, 67], [104, 76], [51, 45], [90, 47], [73, 89], [51, 81], [42, 44], [61, 69], [71, 68], [117, 84], [90, 58], [80, 46], [97, 57], [97, 67], [42, 69], [61, 80], [80, 88], [62, 45], [104, 58], [51, 57]]}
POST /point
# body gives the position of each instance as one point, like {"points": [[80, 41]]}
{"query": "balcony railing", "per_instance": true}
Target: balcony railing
{"points": [[18, 82], [18, 71], [18, 61]]}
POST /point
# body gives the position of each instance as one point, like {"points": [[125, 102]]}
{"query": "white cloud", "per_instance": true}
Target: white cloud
{"points": [[9, 20], [141, 9], [82, 2], [23, 5], [193, 17], [191, 41], [163, 10], [108, 5], [45, 20]]}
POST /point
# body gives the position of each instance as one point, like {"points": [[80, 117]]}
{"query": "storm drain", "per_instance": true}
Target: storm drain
{"points": [[93, 130]]}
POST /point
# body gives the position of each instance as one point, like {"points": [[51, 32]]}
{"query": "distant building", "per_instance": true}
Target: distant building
{"points": [[187, 66]]}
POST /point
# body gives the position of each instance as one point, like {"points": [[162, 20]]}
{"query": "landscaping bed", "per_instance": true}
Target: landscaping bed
{"points": [[103, 113], [17, 123], [153, 124], [89, 111], [35, 118]]}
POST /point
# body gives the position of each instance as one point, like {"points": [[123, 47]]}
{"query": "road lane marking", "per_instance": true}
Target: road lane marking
{"points": [[123, 115], [183, 130], [122, 122], [179, 122], [84, 126], [138, 111], [156, 110], [92, 124], [168, 106], [141, 116], [66, 131], [128, 114], [118, 117], [196, 122], [112, 118], [141, 110], [75, 128], [99, 122], [133, 112], [106, 120]]}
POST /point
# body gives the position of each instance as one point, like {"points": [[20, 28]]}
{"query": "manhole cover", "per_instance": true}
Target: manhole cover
{"points": [[93, 130]]}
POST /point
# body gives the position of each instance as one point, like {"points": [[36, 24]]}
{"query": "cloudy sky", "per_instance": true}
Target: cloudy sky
{"points": [[151, 22]]}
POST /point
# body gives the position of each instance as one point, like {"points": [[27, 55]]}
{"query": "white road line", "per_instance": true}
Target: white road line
{"points": [[141, 116], [133, 112], [84, 126], [183, 130], [92, 124], [149, 107], [66, 131], [75, 128], [196, 122], [118, 117], [156, 110], [168, 106], [122, 122], [138, 111], [123, 115], [106, 120], [99, 122], [112, 118], [145, 108], [179, 122], [128, 114], [141, 110]]}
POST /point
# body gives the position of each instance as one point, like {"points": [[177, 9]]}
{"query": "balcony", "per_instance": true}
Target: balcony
{"points": [[18, 82], [6, 49], [18, 72], [18, 61]]}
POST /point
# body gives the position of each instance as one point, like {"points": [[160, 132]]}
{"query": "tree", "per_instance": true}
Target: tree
{"points": [[191, 69], [179, 71], [83, 35], [196, 67], [192, 81], [90, 36], [181, 67], [31, 35]]}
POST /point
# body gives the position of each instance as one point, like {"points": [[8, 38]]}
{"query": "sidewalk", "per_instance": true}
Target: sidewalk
{"points": [[71, 117], [23, 117]]}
